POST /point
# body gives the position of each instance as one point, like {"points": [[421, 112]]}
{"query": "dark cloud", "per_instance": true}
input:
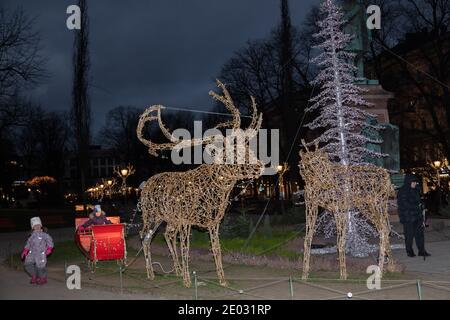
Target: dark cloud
{"points": [[147, 52]]}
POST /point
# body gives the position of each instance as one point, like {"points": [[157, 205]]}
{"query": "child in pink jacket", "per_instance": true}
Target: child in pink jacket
{"points": [[39, 245]]}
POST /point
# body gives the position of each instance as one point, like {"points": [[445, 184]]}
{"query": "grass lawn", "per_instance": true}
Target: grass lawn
{"points": [[258, 245]]}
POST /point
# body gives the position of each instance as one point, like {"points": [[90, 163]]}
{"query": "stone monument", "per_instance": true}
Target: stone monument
{"points": [[355, 14]]}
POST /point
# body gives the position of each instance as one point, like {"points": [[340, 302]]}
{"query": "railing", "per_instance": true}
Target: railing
{"points": [[267, 288]]}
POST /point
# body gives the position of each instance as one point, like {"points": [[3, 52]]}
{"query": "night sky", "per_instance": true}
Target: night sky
{"points": [[147, 52]]}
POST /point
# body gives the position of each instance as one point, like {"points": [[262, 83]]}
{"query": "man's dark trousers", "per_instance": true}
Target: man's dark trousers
{"points": [[414, 230]]}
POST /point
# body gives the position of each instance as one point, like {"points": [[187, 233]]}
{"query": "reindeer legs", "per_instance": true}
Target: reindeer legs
{"points": [[215, 247], [385, 248], [171, 239], [341, 232], [382, 252], [148, 233], [311, 217], [185, 232]]}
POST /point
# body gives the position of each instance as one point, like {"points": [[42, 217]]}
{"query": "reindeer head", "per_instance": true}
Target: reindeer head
{"points": [[244, 164], [316, 165]]}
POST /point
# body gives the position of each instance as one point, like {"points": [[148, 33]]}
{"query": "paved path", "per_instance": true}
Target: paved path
{"points": [[15, 285], [438, 263]]}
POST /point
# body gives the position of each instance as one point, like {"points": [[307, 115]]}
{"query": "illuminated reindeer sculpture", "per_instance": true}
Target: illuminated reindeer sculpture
{"points": [[339, 189], [197, 197]]}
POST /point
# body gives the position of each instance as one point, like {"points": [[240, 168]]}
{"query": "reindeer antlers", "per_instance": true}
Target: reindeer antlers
{"points": [[147, 116], [226, 99], [229, 104], [305, 145]]}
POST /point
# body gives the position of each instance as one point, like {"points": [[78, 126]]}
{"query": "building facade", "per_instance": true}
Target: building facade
{"points": [[421, 105]]}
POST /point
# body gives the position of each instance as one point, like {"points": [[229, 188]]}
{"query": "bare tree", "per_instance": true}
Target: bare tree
{"points": [[119, 133], [12, 114], [81, 112], [21, 66], [259, 68], [43, 142], [274, 70], [20, 58]]}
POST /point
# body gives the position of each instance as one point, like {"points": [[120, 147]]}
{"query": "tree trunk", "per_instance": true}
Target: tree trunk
{"points": [[81, 105]]}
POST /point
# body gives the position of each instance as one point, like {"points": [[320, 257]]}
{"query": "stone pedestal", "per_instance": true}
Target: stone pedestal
{"points": [[379, 97]]}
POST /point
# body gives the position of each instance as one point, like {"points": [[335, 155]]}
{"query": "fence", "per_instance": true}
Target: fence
{"points": [[266, 288]]}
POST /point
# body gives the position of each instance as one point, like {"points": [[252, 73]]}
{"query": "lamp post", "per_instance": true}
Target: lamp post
{"points": [[102, 189], [110, 183], [281, 171], [124, 173], [437, 165]]}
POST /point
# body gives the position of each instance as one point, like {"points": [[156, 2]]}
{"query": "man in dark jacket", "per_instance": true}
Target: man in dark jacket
{"points": [[410, 214]]}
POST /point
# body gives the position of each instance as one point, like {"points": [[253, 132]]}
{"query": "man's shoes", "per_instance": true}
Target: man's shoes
{"points": [[424, 254], [33, 280], [411, 254], [41, 281]]}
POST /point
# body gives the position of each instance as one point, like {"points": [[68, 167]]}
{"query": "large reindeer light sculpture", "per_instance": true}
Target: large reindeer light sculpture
{"points": [[339, 188], [197, 197]]}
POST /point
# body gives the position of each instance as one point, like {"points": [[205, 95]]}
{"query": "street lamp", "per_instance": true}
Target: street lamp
{"points": [[281, 171], [124, 173], [107, 185], [437, 165], [110, 183]]}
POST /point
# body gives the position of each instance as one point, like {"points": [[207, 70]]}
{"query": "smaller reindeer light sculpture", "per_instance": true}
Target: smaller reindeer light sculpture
{"points": [[338, 189]]}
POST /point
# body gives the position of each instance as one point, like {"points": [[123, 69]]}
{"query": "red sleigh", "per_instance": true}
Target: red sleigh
{"points": [[102, 242]]}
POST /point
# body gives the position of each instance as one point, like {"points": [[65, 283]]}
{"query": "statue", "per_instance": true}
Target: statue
{"points": [[355, 14]]}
